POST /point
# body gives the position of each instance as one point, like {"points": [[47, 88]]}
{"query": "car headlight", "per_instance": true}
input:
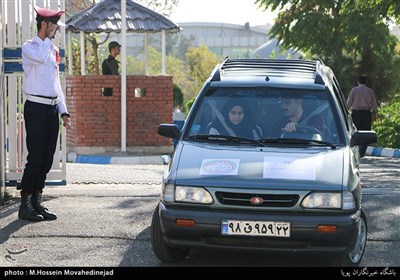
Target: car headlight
{"points": [[348, 201], [186, 194], [329, 200], [167, 192], [192, 195]]}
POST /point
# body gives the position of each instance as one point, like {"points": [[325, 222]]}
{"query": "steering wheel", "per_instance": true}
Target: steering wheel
{"points": [[307, 129]]}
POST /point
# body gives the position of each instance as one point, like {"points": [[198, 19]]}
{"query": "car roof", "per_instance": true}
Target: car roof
{"points": [[271, 72]]}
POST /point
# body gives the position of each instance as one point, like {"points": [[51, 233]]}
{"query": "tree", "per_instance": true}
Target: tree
{"points": [[164, 7], [134, 66], [178, 45], [351, 36], [178, 96], [201, 61]]}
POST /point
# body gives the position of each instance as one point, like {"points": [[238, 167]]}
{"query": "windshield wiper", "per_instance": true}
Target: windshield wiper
{"points": [[297, 141], [215, 137]]}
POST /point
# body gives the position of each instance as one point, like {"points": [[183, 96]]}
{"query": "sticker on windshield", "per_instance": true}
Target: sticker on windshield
{"points": [[289, 168], [219, 167]]}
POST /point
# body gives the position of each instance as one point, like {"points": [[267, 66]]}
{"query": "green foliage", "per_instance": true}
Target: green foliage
{"points": [[90, 58], [178, 96], [189, 104], [175, 67], [201, 61], [134, 66], [351, 36], [177, 45], [387, 126]]}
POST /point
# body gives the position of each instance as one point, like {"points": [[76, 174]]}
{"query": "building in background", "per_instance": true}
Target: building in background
{"points": [[223, 39]]}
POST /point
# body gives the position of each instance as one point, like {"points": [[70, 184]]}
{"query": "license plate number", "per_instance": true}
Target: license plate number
{"points": [[255, 228]]}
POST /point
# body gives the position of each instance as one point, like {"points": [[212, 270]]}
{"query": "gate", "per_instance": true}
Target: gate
{"points": [[18, 25]]}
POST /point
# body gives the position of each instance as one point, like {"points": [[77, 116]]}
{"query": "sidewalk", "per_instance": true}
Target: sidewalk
{"points": [[128, 159]]}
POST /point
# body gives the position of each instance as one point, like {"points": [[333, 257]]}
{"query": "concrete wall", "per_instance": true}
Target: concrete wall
{"points": [[96, 118]]}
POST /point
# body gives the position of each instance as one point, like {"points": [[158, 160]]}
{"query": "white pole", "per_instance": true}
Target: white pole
{"points": [[163, 52], [123, 76], [83, 66], [70, 54]]}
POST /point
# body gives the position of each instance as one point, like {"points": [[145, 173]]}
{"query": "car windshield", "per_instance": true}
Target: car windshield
{"points": [[264, 114]]}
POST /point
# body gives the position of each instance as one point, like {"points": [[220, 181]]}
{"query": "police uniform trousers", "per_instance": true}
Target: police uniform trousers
{"points": [[42, 128]]}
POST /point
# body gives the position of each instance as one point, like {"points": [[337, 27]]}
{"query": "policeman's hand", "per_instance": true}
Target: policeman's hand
{"points": [[66, 122], [290, 127], [51, 30]]}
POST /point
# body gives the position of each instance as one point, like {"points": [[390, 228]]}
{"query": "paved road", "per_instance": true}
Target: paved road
{"points": [[105, 214]]}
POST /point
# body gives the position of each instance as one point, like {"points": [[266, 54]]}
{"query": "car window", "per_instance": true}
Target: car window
{"points": [[266, 108]]}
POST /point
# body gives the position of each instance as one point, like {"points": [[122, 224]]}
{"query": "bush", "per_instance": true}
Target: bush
{"points": [[189, 104], [387, 126]]}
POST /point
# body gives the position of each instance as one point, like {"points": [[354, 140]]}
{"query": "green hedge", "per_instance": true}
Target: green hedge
{"points": [[387, 126]]}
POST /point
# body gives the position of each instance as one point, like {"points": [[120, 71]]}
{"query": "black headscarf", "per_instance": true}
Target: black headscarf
{"points": [[244, 128]]}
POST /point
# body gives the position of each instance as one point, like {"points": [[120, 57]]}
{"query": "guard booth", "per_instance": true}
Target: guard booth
{"points": [[17, 25]]}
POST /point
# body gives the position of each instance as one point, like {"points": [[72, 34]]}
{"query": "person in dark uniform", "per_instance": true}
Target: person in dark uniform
{"points": [[44, 102], [110, 65]]}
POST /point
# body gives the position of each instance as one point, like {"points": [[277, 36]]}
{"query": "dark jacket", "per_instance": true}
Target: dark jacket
{"points": [[110, 66]]}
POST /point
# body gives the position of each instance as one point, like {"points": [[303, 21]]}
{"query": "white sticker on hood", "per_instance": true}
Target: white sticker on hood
{"points": [[219, 167], [289, 168]]}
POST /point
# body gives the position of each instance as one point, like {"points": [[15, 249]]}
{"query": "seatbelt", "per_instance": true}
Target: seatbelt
{"points": [[220, 117], [315, 112]]}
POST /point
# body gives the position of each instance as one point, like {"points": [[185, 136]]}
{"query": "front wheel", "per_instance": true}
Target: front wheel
{"points": [[353, 258], [164, 252]]}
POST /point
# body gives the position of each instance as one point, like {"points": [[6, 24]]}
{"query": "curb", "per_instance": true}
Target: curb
{"points": [[122, 160], [383, 152]]}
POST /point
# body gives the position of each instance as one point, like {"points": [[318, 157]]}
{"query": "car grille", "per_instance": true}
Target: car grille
{"points": [[268, 200]]}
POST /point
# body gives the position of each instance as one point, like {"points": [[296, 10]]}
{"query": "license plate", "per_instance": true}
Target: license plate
{"points": [[254, 228]]}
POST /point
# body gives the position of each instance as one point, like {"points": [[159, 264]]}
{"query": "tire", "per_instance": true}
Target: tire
{"points": [[353, 258], [164, 252]]}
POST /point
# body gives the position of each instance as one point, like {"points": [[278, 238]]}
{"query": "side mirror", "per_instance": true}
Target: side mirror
{"points": [[169, 130], [363, 137]]}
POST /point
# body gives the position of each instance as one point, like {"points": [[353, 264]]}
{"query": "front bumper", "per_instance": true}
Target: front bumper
{"points": [[304, 236]]}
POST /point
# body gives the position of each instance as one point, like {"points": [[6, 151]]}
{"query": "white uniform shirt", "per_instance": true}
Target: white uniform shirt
{"points": [[39, 61]]}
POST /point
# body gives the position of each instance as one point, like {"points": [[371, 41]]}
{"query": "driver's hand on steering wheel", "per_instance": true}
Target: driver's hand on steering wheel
{"points": [[290, 127]]}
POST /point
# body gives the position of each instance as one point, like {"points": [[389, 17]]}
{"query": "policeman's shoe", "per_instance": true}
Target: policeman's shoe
{"points": [[40, 208], [26, 209]]}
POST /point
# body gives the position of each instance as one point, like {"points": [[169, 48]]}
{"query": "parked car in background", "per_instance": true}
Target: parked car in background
{"points": [[268, 185]]}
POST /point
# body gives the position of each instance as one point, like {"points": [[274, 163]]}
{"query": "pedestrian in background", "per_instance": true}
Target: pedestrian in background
{"points": [[44, 102], [363, 106], [110, 65]]}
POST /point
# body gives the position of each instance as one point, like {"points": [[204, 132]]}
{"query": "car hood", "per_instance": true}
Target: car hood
{"points": [[305, 168]]}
